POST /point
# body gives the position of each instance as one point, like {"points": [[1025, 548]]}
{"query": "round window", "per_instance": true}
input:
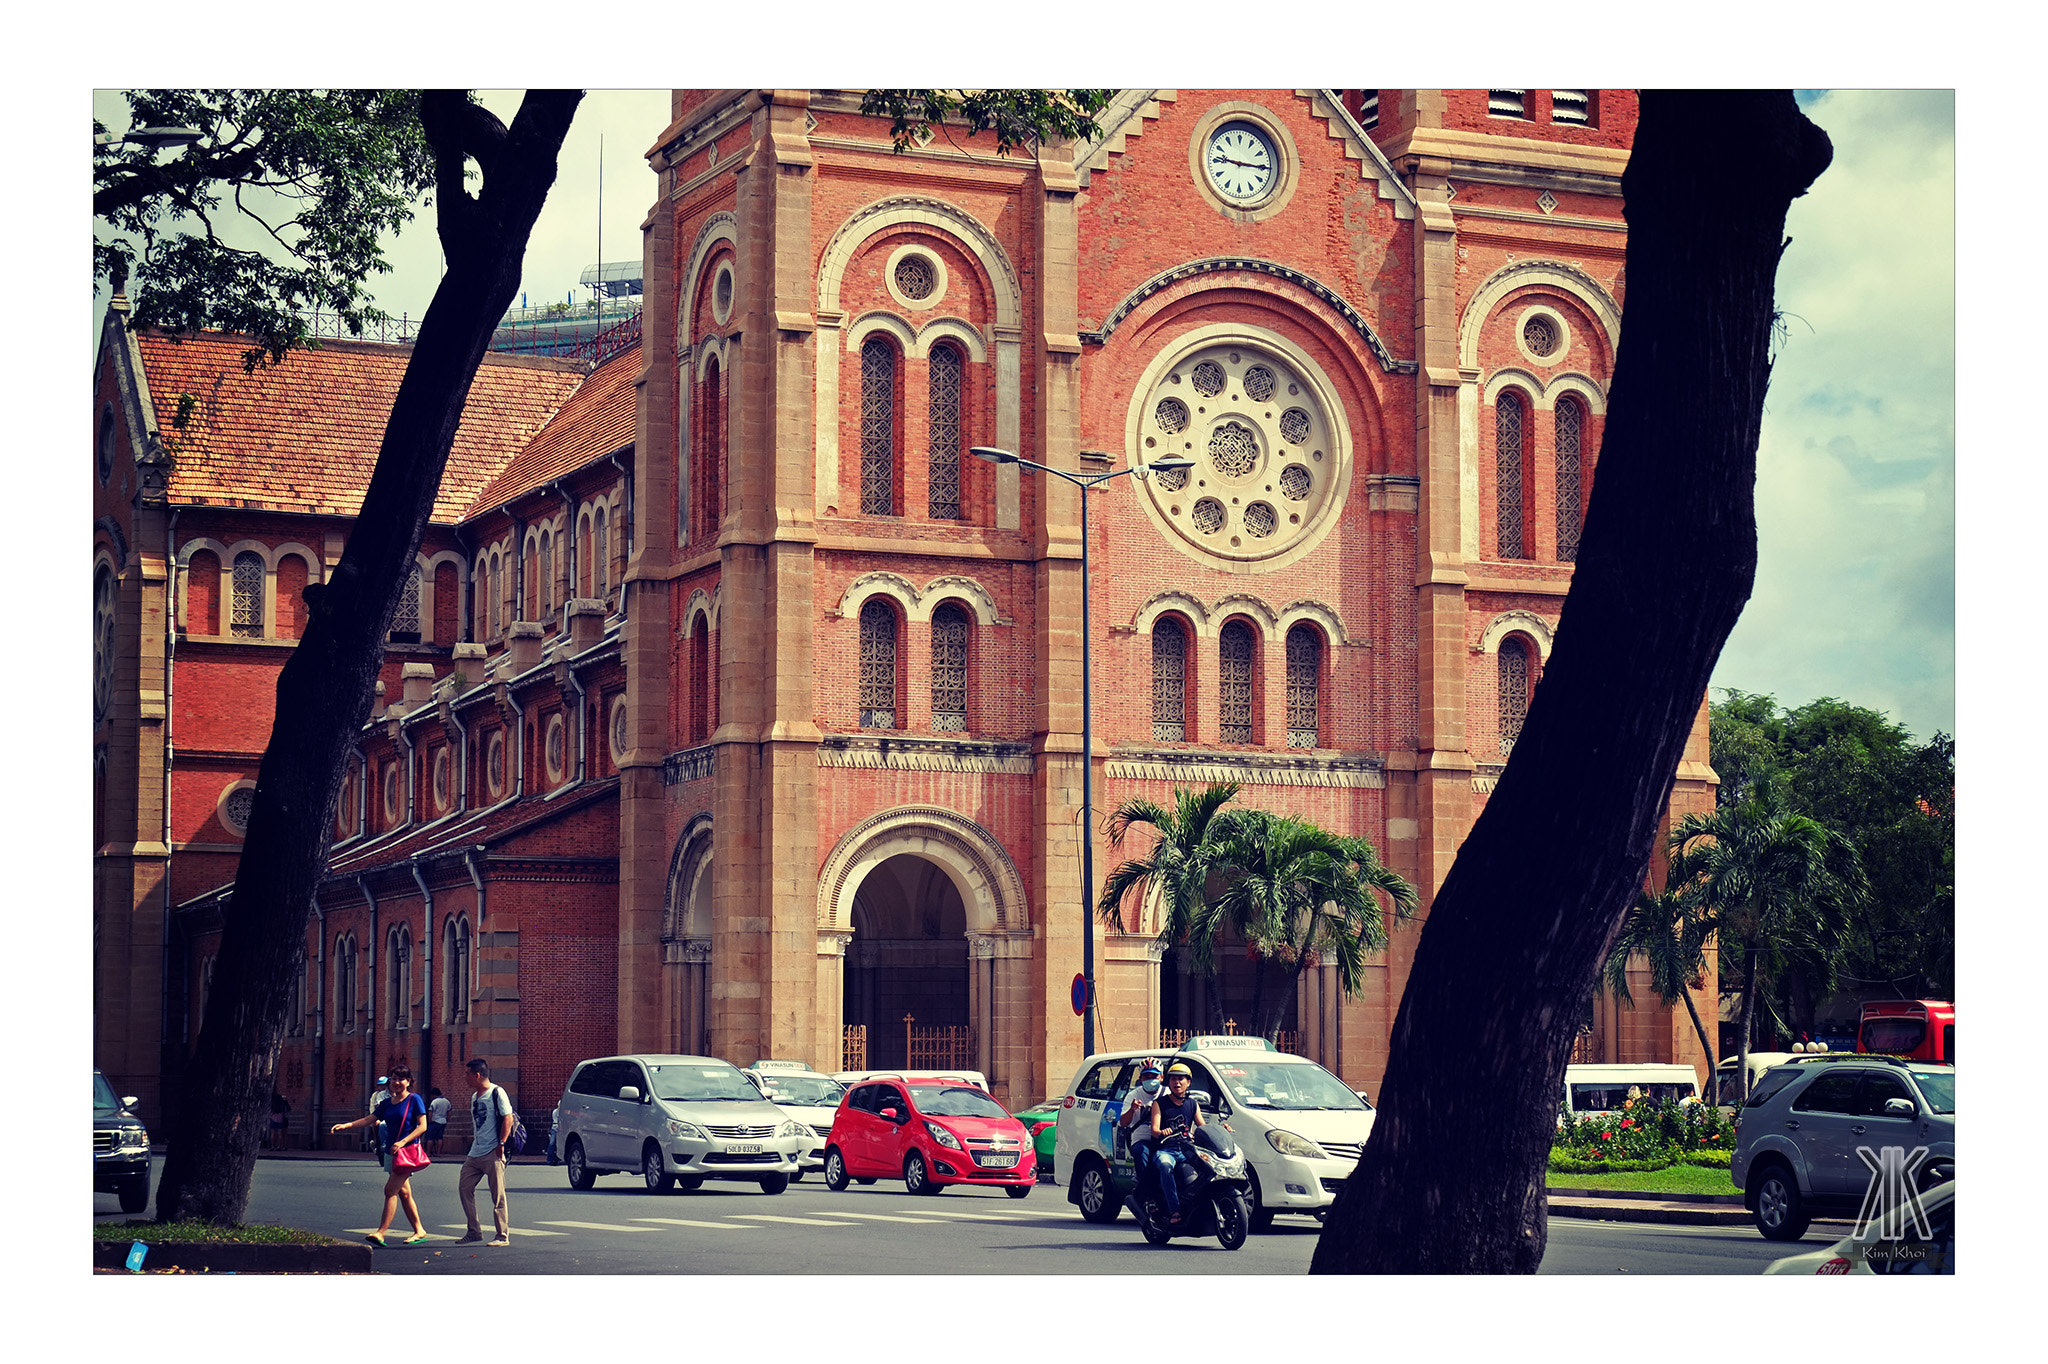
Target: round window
{"points": [[391, 792], [721, 293], [557, 746], [234, 811], [441, 778], [1539, 334], [494, 763], [618, 731]]}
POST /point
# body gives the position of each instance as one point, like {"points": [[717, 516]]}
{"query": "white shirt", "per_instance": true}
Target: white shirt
{"points": [[1140, 1101]]}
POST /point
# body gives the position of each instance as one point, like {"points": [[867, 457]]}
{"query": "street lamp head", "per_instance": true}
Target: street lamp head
{"points": [[993, 455], [156, 139], [1171, 462]]}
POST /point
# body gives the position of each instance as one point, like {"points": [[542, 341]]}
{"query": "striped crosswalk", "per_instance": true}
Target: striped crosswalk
{"points": [[823, 1212]]}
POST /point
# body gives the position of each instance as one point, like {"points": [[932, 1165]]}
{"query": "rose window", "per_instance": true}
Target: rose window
{"points": [[1295, 482], [235, 810], [1258, 384], [1233, 450], [1172, 416], [1208, 516], [1209, 378], [915, 278], [1294, 424], [1260, 519], [1539, 334]]}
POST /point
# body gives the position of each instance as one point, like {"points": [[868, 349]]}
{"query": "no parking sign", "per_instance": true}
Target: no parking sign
{"points": [[1079, 995]]}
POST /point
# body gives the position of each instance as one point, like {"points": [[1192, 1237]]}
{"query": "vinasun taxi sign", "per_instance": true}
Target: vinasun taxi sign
{"points": [[782, 1065], [1220, 1042]]}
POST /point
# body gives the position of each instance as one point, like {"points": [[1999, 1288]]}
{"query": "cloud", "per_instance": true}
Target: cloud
{"points": [[1855, 593]]}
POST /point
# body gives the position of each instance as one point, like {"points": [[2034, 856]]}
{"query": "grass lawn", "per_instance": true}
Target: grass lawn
{"points": [[160, 1232], [1672, 1179]]}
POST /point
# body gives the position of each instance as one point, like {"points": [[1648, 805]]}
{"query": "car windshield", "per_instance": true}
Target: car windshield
{"points": [[103, 1100], [1287, 1085], [696, 1082], [1939, 1089], [814, 1090], [955, 1101]]}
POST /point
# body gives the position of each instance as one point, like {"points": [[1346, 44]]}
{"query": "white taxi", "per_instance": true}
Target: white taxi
{"points": [[804, 1094], [1301, 1127]]}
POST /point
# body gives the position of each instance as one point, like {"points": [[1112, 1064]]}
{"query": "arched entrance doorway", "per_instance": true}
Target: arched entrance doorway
{"points": [[908, 961], [686, 940]]}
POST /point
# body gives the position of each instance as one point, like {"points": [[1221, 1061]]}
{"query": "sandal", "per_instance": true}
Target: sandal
{"points": [[415, 1238], [374, 1239]]}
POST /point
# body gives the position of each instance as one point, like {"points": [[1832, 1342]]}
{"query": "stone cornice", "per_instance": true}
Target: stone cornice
{"points": [[904, 753], [1352, 770]]}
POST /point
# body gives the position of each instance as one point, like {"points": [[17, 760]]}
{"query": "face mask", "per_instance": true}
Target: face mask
{"points": [[1150, 1086]]}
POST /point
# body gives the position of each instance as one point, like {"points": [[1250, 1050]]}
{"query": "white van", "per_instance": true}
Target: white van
{"points": [[675, 1120], [1604, 1087], [1728, 1088], [1300, 1127], [805, 1095]]}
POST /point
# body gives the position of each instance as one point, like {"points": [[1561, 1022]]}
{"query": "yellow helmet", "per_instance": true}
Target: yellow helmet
{"points": [[1179, 1068]]}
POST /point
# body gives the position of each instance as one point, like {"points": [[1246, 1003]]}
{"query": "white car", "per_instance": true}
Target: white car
{"points": [[850, 1078], [1301, 1127], [1871, 1253], [803, 1094]]}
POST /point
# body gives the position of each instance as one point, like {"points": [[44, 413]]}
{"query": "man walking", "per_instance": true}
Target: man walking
{"points": [[490, 1115]]}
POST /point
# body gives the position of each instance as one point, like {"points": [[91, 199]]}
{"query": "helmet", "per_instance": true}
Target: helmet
{"points": [[1149, 1068], [1179, 1068]]}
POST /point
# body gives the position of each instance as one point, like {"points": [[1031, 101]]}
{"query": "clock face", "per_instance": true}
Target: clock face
{"points": [[1241, 161]]}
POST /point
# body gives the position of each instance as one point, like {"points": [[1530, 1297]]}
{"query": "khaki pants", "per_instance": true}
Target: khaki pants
{"points": [[491, 1167]]}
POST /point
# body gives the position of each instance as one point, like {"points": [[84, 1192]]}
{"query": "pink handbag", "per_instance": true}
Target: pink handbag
{"points": [[411, 1156]]}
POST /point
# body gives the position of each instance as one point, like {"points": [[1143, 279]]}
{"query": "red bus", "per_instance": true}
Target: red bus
{"points": [[1923, 1029]]}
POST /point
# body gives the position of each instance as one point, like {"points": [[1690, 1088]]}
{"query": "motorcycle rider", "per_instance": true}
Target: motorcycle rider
{"points": [[1138, 1105], [1173, 1114]]}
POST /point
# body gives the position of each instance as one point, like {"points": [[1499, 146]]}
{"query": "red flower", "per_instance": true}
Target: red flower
{"points": [[1607, 1136], [1628, 1122]]}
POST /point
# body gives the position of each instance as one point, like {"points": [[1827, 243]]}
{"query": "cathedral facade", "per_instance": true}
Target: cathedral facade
{"points": [[741, 711]]}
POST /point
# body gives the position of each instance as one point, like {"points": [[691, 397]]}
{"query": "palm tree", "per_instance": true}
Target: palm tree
{"points": [[1177, 869], [1297, 893], [1777, 887], [1669, 931]]}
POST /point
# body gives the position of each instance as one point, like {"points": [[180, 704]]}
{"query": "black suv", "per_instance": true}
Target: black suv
{"points": [[120, 1147]]}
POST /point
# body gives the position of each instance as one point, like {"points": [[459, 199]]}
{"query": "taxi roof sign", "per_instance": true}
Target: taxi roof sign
{"points": [[782, 1065], [1232, 1042]]}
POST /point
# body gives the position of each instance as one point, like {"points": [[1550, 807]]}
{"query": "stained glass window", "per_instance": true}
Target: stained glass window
{"points": [[949, 669], [1304, 686], [1169, 681], [877, 428], [1570, 423], [405, 621], [1508, 458], [1234, 656], [1514, 691], [946, 373], [246, 620], [877, 665]]}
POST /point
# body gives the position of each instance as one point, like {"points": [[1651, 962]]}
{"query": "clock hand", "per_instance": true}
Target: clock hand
{"points": [[1248, 165]]}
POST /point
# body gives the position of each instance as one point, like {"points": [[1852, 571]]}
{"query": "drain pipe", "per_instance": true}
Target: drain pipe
{"points": [[319, 1096], [427, 1013], [566, 547], [411, 777], [370, 1024], [476, 879], [582, 730], [626, 539]]}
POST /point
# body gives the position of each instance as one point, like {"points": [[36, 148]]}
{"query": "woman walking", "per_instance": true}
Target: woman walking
{"points": [[404, 1116]]}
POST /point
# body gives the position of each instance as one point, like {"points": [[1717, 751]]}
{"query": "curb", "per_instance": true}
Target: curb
{"points": [[1610, 1210], [1639, 1196], [199, 1257]]}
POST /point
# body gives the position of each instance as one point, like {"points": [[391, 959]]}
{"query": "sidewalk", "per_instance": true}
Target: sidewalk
{"points": [[1695, 1210]]}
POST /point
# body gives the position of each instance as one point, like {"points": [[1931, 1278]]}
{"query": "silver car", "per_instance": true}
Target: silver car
{"points": [[676, 1120]]}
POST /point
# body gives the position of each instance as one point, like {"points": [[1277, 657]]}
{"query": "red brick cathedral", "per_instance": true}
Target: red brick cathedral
{"points": [[738, 710]]}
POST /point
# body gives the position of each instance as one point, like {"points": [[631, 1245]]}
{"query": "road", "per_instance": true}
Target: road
{"points": [[618, 1228]]}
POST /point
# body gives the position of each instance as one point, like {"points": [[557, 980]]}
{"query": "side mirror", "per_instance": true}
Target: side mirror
{"points": [[892, 1115], [129, 1101], [629, 1094], [1898, 1108], [1201, 1096]]}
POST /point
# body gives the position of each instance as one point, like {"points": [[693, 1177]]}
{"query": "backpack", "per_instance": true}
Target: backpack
{"points": [[516, 1143]]}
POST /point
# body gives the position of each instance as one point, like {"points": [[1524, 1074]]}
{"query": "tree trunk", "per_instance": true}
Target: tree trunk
{"points": [[325, 688], [1748, 1011], [1699, 1030], [1453, 1178]]}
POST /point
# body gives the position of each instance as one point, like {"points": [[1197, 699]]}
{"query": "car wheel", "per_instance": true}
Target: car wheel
{"points": [[659, 1180], [1261, 1215], [689, 1183], [581, 1176], [774, 1183], [1233, 1219], [835, 1170], [916, 1178], [1094, 1194], [1019, 1191], [796, 1177], [1780, 1212], [134, 1194], [867, 1180]]}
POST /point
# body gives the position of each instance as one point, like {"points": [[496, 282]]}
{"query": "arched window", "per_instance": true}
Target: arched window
{"points": [[700, 681], [547, 573], [405, 621], [949, 669], [583, 556], [480, 601], [946, 373], [1169, 681], [1515, 672], [529, 591], [398, 947], [1304, 686], [202, 594], [497, 594], [877, 427], [601, 561], [245, 620], [447, 603], [291, 597], [345, 983], [457, 978], [1509, 442], [877, 665], [710, 477], [1234, 680], [1571, 425]]}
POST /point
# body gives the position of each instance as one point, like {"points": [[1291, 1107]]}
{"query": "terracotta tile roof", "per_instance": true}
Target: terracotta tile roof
{"points": [[595, 422], [492, 826], [303, 435]]}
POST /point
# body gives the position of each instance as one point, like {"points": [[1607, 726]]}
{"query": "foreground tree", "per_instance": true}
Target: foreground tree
{"points": [[324, 691], [1452, 1180]]}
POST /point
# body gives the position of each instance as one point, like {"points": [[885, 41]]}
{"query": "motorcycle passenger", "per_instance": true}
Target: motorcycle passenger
{"points": [[1173, 1114], [1139, 1105]]}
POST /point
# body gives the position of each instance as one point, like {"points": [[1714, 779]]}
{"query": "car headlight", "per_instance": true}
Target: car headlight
{"points": [[793, 1128], [1301, 1148], [942, 1136], [134, 1139], [678, 1128]]}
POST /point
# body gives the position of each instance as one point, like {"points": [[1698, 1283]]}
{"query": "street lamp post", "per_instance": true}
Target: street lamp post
{"points": [[1085, 482]]}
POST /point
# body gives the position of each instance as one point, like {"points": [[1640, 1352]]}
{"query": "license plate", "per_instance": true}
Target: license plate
{"points": [[998, 1161], [749, 1148]]}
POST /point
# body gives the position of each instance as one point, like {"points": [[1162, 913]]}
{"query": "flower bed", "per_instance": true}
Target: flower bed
{"points": [[1644, 1135]]}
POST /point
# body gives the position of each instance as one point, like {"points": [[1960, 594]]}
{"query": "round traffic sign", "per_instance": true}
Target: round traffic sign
{"points": [[1079, 995]]}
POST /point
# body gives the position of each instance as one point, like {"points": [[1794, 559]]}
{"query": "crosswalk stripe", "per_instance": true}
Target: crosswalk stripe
{"points": [[596, 1226], [686, 1222], [518, 1231], [396, 1236], [977, 1216], [887, 1217], [800, 1221]]}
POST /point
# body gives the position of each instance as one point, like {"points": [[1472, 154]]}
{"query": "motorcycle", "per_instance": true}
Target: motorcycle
{"points": [[1212, 1181]]}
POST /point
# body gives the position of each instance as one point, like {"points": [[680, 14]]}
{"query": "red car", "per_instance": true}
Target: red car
{"points": [[929, 1133]]}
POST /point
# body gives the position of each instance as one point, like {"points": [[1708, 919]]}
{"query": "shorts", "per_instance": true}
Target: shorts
{"points": [[434, 1131]]}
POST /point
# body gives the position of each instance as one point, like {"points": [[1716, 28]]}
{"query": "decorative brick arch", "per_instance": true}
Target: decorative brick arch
{"points": [[957, 329], [878, 321], [961, 227], [1317, 613], [1527, 623], [968, 855], [892, 585], [718, 227], [1181, 602], [1249, 606], [1567, 280], [959, 587], [1527, 384], [1561, 384], [687, 868], [704, 603]]}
